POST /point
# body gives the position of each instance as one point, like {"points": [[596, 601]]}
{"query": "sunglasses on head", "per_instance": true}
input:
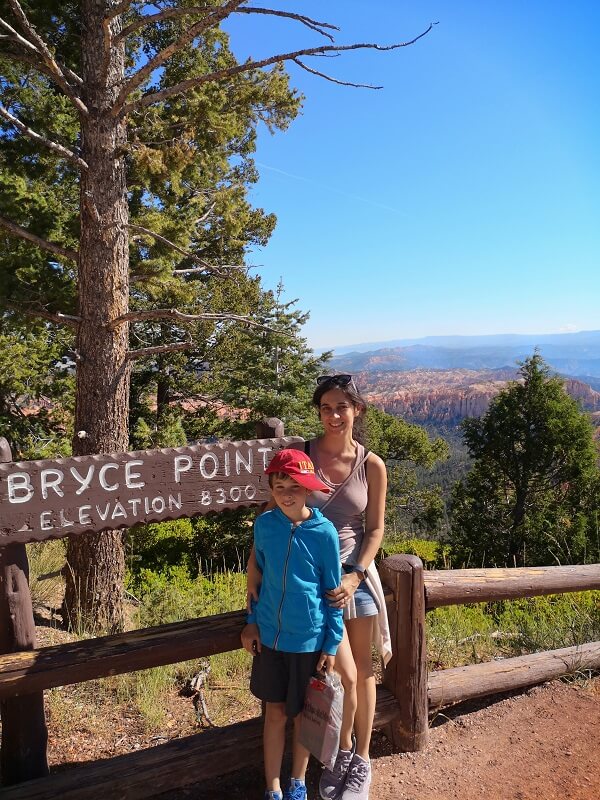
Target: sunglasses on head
{"points": [[338, 380]]}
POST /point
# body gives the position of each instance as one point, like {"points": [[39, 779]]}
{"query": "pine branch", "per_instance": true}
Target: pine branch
{"points": [[41, 48], [143, 352], [195, 30], [59, 318], [23, 233], [182, 87], [174, 13], [54, 146], [205, 267], [173, 313]]}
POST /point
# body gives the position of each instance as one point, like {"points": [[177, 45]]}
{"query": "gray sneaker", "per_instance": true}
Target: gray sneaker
{"points": [[332, 781], [358, 780]]}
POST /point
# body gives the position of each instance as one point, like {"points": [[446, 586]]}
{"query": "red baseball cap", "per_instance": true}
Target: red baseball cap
{"points": [[299, 467]]}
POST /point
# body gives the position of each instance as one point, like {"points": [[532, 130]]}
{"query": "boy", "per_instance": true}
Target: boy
{"points": [[292, 630]]}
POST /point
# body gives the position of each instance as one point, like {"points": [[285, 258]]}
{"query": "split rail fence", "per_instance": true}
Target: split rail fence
{"points": [[404, 698]]}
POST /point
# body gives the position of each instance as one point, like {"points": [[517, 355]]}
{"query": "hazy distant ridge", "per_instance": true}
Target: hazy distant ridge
{"points": [[568, 353]]}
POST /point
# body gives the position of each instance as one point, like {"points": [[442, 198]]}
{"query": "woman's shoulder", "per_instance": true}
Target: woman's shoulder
{"points": [[375, 466]]}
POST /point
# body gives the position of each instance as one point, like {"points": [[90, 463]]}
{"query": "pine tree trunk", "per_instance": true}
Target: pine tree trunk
{"points": [[95, 563]]}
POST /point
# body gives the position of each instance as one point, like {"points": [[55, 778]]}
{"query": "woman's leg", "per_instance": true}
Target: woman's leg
{"points": [[273, 743], [345, 666], [360, 636]]}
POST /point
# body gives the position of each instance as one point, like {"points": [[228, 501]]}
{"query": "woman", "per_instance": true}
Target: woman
{"points": [[356, 507]]}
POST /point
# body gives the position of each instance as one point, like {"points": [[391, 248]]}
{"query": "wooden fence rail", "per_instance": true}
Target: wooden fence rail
{"points": [[446, 587]]}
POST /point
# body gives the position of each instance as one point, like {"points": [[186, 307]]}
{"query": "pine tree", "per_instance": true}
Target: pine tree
{"points": [[126, 134], [529, 498]]}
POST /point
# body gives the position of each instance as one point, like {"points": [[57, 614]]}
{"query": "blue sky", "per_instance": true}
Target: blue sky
{"points": [[464, 197]]}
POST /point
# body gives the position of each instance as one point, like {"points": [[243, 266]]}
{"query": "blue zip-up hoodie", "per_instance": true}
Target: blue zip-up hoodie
{"points": [[299, 563]]}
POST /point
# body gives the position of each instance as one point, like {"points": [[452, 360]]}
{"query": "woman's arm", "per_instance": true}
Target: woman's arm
{"points": [[253, 573], [374, 526], [253, 580], [375, 511]]}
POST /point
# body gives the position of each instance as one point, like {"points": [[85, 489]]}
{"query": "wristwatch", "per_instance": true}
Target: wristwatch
{"points": [[361, 570]]}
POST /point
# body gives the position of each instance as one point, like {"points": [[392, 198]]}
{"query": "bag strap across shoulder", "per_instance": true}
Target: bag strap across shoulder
{"points": [[337, 489]]}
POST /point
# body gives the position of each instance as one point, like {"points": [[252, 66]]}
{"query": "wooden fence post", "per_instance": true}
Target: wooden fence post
{"points": [[24, 735], [406, 674], [269, 428]]}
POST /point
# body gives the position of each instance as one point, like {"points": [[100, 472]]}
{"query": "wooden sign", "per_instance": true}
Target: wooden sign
{"points": [[49, 499]]}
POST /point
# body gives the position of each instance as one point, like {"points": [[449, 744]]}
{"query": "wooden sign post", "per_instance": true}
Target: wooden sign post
{"points": [[24, 734]]}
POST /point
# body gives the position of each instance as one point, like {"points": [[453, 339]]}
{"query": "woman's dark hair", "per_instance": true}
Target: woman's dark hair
{"points": [[348, 387]]}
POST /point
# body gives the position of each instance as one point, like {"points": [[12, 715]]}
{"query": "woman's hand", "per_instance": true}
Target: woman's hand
{"points": [[340, 596], [250, 638]]}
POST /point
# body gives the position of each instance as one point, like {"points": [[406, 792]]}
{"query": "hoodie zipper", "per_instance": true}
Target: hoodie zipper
{"points": [[285, 566]]}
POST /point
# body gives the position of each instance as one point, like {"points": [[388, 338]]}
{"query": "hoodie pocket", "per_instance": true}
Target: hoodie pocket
{"points": [[299, 614]]}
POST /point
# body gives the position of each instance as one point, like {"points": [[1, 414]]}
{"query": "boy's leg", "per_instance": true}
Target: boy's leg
{"points": [[274, 743], [300, 754]]}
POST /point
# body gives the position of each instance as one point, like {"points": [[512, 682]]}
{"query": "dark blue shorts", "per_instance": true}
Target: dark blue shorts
{"points": [[279, 677]]}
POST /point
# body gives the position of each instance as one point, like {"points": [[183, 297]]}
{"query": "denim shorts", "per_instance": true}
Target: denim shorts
{"points": [[363, 599]]}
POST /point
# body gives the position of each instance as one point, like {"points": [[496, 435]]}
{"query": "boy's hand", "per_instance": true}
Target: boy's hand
{"points": [[325, 663], [250, 638]]}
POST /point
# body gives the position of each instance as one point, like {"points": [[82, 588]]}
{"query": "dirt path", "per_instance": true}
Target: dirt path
{"points": [[540, 745]]}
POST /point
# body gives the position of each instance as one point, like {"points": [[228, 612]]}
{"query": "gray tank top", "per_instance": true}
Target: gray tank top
{"points": [[347, 506]]}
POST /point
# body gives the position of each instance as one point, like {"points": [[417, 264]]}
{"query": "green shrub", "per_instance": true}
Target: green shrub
{"points": [[430, 553], [46, 560], [466, 634], [552, 622], [458, 635]]}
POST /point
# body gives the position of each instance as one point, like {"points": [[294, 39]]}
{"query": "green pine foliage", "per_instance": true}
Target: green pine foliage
{"points": [[532, 495], [36, 390], [407, 448]]}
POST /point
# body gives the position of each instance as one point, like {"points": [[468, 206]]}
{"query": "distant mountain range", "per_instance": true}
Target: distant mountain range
{"points": [[445, 397], [573, 354]]}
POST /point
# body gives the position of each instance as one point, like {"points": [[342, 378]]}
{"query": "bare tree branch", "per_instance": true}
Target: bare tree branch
{"points": [[204, 265], [173, 13], [17, 38], [221, 271], [332, 79], [58, 317], [195, 30], [206, 214], [23, 233], [142, 352], [45, 54], [173, 313], [56, 148], [39, 66], [179, 88], [120, 8]]}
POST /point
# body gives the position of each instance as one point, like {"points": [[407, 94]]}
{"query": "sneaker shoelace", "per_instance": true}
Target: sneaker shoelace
{"points": [[340, 766], [357, 775]]}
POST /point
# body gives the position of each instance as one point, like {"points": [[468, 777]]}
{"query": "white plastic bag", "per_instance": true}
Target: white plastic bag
{"points": [[322, 717]]}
